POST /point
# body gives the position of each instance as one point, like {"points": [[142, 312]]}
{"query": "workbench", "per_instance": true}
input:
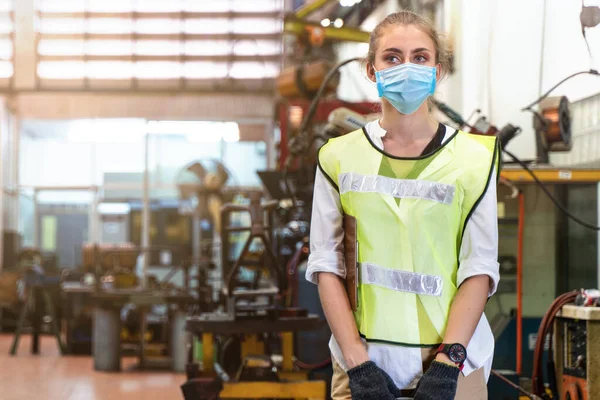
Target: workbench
{"points": [[107, 326], [292, 384]]}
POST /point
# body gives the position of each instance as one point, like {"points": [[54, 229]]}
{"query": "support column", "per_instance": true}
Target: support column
{"points": [[3, 222], [598, 236], [146, 209], [15, 144], [94, 223], [25, 57], [36, 220]]}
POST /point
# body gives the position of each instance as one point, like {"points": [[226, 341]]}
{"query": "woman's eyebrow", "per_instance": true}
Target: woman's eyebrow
{"points": [[394, 50], [420, 49]]}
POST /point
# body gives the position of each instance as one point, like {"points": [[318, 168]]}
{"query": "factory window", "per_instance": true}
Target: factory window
{"points": [[156, 40], [110, 153], [6, 41]]}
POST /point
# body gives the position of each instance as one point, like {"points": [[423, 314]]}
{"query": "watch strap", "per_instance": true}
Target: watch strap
{"points": [[445, 348]]}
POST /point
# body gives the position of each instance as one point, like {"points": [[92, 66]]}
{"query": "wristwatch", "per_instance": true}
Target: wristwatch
{"points": [[455, 351]]}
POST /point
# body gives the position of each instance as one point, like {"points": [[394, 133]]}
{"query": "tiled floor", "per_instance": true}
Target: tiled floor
{"points": [[49, 376]]}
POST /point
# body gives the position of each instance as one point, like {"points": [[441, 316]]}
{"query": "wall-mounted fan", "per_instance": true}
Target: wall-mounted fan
{"points": [[200, 185]]}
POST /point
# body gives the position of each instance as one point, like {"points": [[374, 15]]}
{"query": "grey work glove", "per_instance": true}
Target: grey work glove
{"points": [[369, 382], [438, 383]]}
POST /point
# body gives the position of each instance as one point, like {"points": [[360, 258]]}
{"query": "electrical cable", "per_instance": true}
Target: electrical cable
{"points": [[312, 367], [587, 43], [315, 102], [515, 386], [292, 298], [591, 72], [306, 121], [550, 196]]}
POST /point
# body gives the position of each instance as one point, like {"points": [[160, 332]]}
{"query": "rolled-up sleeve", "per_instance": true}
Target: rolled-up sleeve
{"points": [[326, 231], [479, 249]]}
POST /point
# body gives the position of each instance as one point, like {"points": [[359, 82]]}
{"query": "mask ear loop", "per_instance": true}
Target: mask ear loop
{"points": [[374, 69], [366, 75]]}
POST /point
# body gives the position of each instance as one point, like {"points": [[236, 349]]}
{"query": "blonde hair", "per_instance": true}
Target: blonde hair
{"points": [[404, 18]]}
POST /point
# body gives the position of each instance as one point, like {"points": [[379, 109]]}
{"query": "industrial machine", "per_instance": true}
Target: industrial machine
{"points": [[553, 127], [577, 352], [201, 186], [253, 318]]}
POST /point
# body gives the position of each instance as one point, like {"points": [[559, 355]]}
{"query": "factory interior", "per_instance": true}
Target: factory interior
{"points": [[158, 163]]}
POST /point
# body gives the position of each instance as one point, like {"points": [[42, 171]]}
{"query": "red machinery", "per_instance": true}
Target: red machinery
{"points": [[287, 109]]}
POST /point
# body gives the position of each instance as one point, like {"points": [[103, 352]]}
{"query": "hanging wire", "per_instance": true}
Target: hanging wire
{"points": [[586, 39]]}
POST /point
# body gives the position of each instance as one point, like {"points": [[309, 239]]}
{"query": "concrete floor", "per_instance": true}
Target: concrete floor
{"points": [[50, 376]]}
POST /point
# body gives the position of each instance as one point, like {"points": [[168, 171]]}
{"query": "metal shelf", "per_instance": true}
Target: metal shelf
{"points": [[548, 174]]}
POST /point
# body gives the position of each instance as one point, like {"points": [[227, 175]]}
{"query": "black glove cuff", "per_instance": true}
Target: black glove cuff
{"points": [[443, 370], [364, 370]]}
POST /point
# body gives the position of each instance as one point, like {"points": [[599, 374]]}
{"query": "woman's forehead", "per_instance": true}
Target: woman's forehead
{"points": [[405, 38]]}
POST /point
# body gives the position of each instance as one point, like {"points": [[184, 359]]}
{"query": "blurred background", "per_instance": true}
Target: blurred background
{"points": [[157, 163]]}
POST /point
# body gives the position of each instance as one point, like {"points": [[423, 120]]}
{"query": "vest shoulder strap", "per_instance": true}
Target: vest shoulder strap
{"points": [[328, 158], [483, 155]]}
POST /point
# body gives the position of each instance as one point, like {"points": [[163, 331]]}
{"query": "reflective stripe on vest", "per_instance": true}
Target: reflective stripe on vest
{"points": [[410, 214], [402, 281], [399, 188]]}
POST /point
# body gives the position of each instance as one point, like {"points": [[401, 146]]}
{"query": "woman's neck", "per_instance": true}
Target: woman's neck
{"points": [[402, 128]]}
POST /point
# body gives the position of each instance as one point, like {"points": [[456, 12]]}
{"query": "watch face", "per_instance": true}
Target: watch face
{"points": [[457, 353]]}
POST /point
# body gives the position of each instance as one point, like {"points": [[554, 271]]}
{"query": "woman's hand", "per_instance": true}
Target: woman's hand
{"points": [[438, 383], [440, 380], [369, 382]]}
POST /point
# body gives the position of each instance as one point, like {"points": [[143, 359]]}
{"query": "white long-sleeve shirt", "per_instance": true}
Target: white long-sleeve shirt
{"points": [[478, 256]]}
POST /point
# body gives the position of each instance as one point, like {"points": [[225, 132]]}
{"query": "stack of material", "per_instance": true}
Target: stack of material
{"points": [[8, 287], [109, 256]]}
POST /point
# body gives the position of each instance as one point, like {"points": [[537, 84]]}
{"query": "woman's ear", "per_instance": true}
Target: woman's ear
{"points": [[371, 72], [438, 72]]}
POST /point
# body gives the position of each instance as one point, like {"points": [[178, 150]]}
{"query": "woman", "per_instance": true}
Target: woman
{"points": [[424, 197]]}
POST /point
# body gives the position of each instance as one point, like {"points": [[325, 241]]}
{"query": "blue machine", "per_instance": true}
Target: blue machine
{"points": [[505, 354], [505, 358], [500, 390]]}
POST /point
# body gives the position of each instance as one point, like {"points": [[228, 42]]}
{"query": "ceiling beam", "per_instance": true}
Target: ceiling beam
{"points": [[160, 15], [215, 106], [167, 58], [161, 36]]}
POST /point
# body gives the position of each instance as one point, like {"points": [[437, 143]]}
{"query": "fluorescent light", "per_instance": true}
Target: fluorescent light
{"points": [[176, 127], [114, 208], [338, 23], [133, 131], [326, 22], [197, 131], [105, 131]]}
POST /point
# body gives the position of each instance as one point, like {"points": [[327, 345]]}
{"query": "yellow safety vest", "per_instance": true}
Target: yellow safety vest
{"points": [[411, 213]]}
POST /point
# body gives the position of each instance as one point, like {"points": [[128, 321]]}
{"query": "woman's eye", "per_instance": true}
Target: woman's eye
{"points": [[393, 59], [420, 59]]}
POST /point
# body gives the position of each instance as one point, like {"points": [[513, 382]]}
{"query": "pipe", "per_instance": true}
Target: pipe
{"points": [[546, 326], [520, 389], [520, 283]]}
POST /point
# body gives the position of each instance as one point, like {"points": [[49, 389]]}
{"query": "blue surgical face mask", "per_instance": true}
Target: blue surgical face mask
{"points": [[406, 86]]}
